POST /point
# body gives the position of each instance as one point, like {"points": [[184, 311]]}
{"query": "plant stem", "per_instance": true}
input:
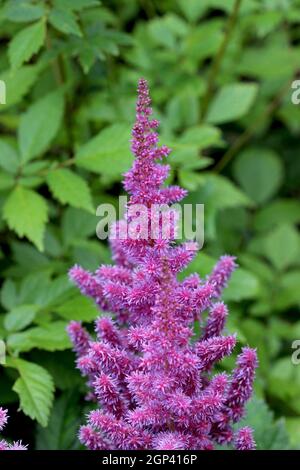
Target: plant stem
{"points": [[248, 133], [219, 57]]}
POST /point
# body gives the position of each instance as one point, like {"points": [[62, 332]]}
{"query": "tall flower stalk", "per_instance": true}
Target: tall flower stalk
{"points": [[155, 386]]}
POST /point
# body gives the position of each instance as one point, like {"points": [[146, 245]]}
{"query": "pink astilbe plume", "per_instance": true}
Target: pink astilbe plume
{"points": [[4, 445], [155, 386]]}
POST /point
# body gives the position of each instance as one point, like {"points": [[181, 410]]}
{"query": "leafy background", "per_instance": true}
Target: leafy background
{"points": [[220, 73]]}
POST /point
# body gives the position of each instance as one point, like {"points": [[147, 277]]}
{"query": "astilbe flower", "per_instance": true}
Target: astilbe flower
{"points": [[4, 445], [155, 387]]}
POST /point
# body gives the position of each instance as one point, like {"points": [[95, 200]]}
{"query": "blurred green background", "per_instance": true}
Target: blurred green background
{"points": [[220, 73]]}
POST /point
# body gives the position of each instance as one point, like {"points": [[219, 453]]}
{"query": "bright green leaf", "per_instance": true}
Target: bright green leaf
{"points": [[22, 11], [39, 125], [78, 308], [20, 317], [70, 188], [50, 337], [65, 21], [26, 43], [18, 83], [108, 153], [35, 389], [232, 102], [26, 213]]}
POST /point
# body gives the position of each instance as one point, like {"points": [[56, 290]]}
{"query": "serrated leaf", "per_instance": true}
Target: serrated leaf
{"points": [[70, 188], [50, 337], [231, 102], [108, 153], [26, 43], [21, 11], [78, 308], [9, 160], [35, 389], [259, 171], [65, 21], [268, 433], [61, 432], [18, 83], [20, 317], [39, 125], [25, 212]]}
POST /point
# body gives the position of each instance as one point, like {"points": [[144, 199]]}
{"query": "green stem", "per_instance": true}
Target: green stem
{"points": [[214, 70]]}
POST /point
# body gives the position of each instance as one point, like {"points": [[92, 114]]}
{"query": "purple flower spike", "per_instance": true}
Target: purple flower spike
{"points": [[155, 386]]}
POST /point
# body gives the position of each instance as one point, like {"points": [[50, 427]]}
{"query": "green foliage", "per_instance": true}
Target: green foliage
{"points": [[35, 389], [26, 212], [269, 434], [222, 90], [26, 43]]}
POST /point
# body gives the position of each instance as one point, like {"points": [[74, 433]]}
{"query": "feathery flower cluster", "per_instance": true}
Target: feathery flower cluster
{"points": [[155, 387], [3, 444]]}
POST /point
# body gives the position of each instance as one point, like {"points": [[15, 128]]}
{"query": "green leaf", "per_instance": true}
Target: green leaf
{"points": [[232, 102], [70, 188], [35, 389], [259, 172], [289, 293], [50, 337], [39, 125], [20, 317], [278, 212], [18, 83], [268, 433], [219, 192], [293, 428], [192, 9], [262, 62], [242, 285], [9, 295], [9, 160], [26, 43], [79, 308], [186, 148], [76, 4], [65, 21], [61, 432], [6, 181], [108, 153], [26, 213], [22, 11], [282, 246]]}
